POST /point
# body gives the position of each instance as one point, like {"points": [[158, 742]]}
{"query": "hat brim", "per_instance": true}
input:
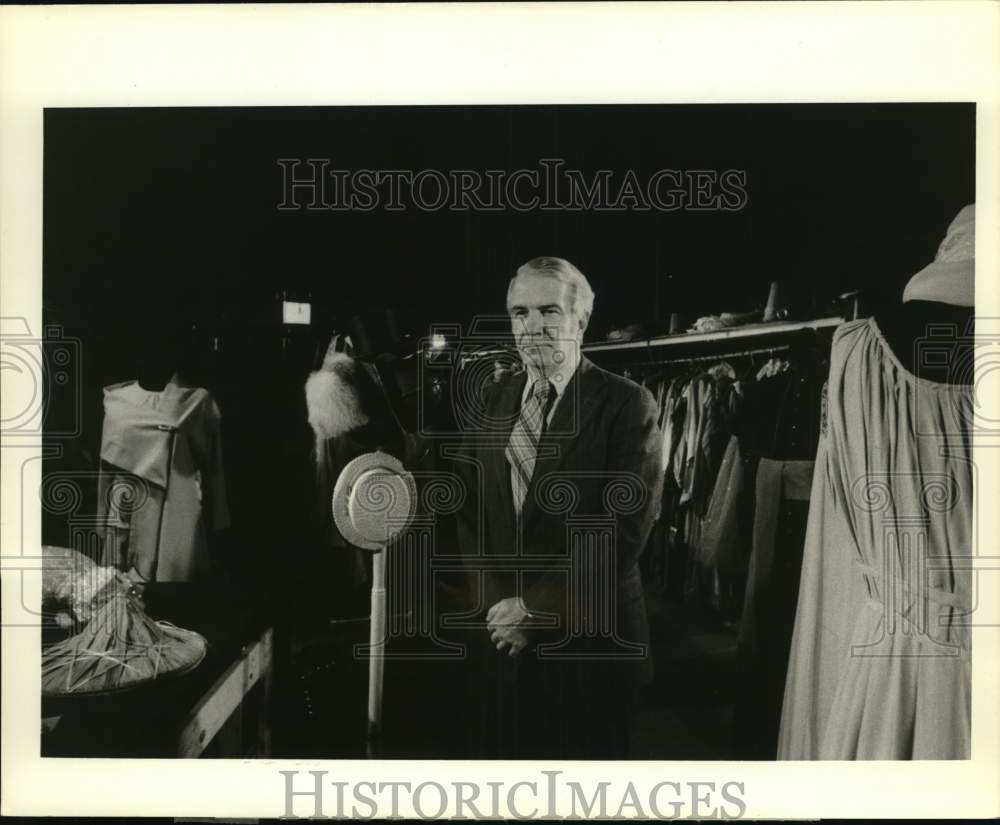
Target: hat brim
{"points": [[945, 282]]}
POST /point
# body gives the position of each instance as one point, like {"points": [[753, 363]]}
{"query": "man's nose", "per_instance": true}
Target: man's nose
{"points": [[533, 324]]}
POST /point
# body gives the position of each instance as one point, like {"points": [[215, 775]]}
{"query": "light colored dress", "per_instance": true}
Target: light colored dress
{"points": [[880, 666], [161, 489]]}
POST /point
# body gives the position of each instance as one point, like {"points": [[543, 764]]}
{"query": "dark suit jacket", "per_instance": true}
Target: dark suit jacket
{"points": [[589, 510]]}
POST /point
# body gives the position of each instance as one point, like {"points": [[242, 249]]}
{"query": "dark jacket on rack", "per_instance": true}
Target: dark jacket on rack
{"points": [[779, 417]]}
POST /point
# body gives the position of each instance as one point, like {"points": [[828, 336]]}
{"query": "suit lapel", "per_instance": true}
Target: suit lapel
{"points": [[571, 418]]}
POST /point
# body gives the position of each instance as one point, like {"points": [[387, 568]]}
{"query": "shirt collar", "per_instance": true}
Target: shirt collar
{"points": [[559, 378]]}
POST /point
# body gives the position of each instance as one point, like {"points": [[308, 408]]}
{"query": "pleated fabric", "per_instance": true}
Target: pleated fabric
{"points": [[721, 536], [880, 666]]}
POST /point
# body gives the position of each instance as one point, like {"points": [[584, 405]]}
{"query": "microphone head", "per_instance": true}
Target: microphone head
{"points": [[374, 500]]}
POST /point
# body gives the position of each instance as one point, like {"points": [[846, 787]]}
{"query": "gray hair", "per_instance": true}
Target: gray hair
{"points": [[562, 270]]}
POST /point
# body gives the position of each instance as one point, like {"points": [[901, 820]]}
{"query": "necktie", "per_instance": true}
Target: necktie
{"points": [[522, 449]]}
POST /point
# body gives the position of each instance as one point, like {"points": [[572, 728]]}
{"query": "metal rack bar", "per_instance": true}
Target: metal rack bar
{"points": [[748, 330], [719, 356]]}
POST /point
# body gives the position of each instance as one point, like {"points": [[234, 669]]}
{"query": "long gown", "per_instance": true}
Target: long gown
{"points": [[881, 660]]}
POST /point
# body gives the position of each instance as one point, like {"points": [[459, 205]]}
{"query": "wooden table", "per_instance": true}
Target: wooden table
{"points": [[220, 717]]}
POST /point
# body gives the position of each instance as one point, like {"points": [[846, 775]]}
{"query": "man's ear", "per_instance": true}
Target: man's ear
{"points": [[584, 320]]}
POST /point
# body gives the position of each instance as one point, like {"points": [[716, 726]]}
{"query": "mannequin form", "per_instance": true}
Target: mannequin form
{"points": [[161, 429], [914, 327], [158, 354], [898, 427], [154, 377], [937, 313]]}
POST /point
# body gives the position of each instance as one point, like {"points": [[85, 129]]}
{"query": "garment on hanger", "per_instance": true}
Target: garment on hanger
{"points": [[755, 527], [663, 560], [770, 599], [161, 488], [672, 412], [779, 411], [685, 454], [722, 535], [712, 431], [716, 425], [706, 513], [880, 666], [708, 402]]}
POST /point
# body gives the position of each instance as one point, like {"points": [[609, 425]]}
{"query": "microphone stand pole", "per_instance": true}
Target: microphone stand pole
{"points": [[376, 652]]}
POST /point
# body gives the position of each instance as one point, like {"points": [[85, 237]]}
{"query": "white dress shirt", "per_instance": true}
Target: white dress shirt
{"points": [[558, 378]]}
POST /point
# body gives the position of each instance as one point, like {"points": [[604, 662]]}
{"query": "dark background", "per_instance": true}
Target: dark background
{"points": [[158, 201], [157, 216]]}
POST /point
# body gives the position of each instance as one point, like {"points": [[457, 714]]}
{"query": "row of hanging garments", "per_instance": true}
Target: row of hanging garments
{"points": [[696, 410], [740, 434], [696, 403], [777, 433]]}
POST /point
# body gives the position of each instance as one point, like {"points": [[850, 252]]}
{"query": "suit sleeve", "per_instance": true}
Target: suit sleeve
{"points": [[468, 515], [633, 489], [636, 447], [469, 518]]}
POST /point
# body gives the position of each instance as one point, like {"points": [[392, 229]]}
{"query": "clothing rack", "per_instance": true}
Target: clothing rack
{"points": [[744, 331], [719, 356]]}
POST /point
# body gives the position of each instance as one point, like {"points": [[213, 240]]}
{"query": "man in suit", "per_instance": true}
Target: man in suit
{"points": [[566, 459]]}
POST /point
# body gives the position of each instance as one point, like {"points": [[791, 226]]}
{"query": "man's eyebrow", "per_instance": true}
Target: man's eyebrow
{"points": [[539, 307]]}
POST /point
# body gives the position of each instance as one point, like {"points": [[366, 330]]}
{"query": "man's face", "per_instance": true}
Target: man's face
{"points": [[546, 328]]}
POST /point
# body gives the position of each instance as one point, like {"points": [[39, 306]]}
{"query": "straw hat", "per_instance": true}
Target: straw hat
{"points": [[951, 277], [119, 646]]}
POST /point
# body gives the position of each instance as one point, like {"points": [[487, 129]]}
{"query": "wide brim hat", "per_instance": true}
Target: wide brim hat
{"points": [[118, 646], [951, 277]]}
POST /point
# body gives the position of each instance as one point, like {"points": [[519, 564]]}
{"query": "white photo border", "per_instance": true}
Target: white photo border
{"points": [[278, 55]]}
